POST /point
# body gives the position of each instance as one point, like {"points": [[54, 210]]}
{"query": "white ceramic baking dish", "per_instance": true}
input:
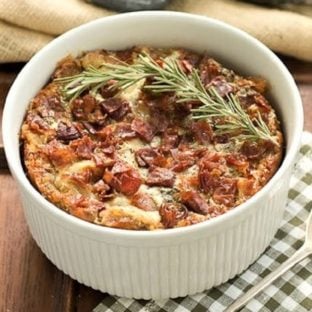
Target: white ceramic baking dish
{"points": [[173, 262]]}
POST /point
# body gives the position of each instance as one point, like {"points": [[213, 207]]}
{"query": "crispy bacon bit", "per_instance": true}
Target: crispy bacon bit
{"points": [[183, 109], [129, 182], [107, 137], [49, 105], [225, 199], [67, 67], [124, 131], [125, 55], [111, 105], [123, 178], [211, 156], [89, 127], [191, 57], [182, 165], [208, 180], [208, 69], [183, 159], [221, 85], [120, 167], [145, 156], [97, 118], [80, 110], [83, 147], [162, 161], [158, 104], [143, 129], [227, 186], [116, 108], [109, 178], [82, 178], [160, 177], [102, 189], [159, 61], [102, 160], [159, 121], [246, 186], [170, 140], [144, 202], [211, 167], [200, 152], [260, 85], [253, 150], [262, 102], [212, 161], [86, 109], [89, 103], [109, 90], [202, 132], [36, 123], [85, 208], [193, 201], [109, 150], [60, 154], [270, 146], [221, 138], [186, 66], [171, 213], [239, 161], [192, 181], [225, 192], [246, 100], [66, 132]]}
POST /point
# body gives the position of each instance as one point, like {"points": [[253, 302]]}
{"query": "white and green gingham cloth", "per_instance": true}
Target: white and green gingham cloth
{"points": [[290, 293]]}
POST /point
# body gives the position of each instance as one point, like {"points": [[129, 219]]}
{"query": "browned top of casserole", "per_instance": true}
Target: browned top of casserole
{"points": [[132, 158]]}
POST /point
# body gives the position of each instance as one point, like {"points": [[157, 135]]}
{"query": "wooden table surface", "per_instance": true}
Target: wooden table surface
{"points": [[28, 281]]}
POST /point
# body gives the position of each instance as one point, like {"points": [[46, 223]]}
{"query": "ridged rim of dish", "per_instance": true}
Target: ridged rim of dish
{"points": [[19, 174]]}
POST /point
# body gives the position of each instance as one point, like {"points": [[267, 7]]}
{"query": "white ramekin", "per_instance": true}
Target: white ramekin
{"points": [[174, 262]]}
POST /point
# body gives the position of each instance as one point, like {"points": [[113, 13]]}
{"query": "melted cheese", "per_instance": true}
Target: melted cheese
{"points": [[154, 192], [180, 181], [127, 149], [119, 211], [80, 166], [156, 141], [63, 180], [132, 93], [122, 202]]}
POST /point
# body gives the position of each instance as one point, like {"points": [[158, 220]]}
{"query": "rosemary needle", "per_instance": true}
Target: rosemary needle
{"points": [[170, 77]]}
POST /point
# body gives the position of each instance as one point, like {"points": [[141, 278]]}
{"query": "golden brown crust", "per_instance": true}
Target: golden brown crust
{"points": [[133, 160]]}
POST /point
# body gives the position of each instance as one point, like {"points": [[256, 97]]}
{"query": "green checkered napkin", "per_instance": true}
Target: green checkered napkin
{"points": [[292, 292]]}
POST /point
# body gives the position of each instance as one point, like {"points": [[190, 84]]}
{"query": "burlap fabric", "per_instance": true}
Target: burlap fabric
{"points": [[27, 25]]}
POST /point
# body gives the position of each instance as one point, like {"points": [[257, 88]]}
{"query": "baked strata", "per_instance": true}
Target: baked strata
{"points": [[141, 158]]}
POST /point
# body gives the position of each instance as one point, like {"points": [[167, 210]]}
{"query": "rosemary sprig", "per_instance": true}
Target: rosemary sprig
{"points": [[121, 75], [170, 77], [236, 119]]}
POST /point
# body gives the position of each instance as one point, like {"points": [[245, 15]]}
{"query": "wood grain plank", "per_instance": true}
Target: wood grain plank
{"points": [[306, 95], [87, 298], [301, 71], [29, 281], [8, 72]]}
